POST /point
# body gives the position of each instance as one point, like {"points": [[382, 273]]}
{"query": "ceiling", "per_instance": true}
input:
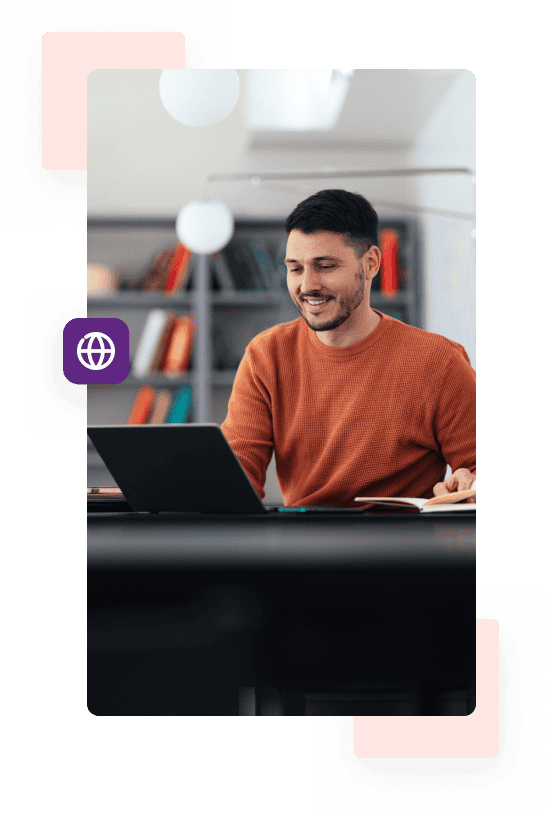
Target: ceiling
{"points": [[384, 109]]}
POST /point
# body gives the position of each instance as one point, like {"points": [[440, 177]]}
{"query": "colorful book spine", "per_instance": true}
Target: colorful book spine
{"points": [[256, 279], [182, 405], [388, 245], [163, 343], [142, 406], [155, 324], [161, 408], [178, 353], [178, 269], [243, 266], [157, 273], [269, 273]]}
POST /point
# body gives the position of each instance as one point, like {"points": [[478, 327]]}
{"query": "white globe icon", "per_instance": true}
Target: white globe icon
{"points": [[99, 357]]}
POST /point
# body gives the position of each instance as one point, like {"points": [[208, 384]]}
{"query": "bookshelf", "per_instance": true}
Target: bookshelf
{"points": [[226, 320]]}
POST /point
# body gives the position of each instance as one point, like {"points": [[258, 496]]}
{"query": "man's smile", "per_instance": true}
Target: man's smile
{"points": [[315, 302]]}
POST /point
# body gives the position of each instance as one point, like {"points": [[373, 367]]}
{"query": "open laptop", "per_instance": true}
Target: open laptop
{"points": [[179, 468]]}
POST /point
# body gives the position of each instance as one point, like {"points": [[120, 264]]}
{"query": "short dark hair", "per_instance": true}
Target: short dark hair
{"points": [[348, 213]]}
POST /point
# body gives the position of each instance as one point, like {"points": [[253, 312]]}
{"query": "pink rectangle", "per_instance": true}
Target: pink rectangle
{"points": [[67, 59], [473, 736]]}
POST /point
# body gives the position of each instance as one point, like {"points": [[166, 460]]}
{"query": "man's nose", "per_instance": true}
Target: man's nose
{"points": [[310, 281]]}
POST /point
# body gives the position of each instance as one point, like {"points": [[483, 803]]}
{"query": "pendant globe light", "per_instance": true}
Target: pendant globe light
{"points": [[199, 97]]}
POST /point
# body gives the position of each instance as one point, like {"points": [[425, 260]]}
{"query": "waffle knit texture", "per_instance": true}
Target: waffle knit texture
{"points": [[381, 417]]}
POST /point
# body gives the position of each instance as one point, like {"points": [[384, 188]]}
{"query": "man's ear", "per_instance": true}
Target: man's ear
{"points": [[373, 257]]}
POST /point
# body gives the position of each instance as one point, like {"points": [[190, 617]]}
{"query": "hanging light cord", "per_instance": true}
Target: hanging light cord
{"points": [[329, 173], [262, 179]]}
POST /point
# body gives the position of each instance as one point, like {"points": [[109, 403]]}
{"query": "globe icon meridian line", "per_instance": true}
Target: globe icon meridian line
{"points": [[103, 350]]}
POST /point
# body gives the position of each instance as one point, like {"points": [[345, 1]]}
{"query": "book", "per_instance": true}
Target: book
{"points": [[161, 408], [106, 492], [389, 277], [142, 405], [278, 253], [182, 405], [243, 267], [221, 271], [178, 269], [153, 341], [106, 499], [450, 501], [258, 281], [157, 273], [234, 262], [269, 272], [178, 352]]}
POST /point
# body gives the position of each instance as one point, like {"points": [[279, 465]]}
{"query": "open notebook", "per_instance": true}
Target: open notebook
{"points": [[438, 504]]}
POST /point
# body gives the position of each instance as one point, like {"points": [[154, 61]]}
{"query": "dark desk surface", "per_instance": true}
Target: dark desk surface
{"points": [[134, 539], [185, 610]]}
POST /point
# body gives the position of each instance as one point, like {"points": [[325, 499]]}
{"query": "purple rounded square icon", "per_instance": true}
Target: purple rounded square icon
{"points": [[96, 351]]}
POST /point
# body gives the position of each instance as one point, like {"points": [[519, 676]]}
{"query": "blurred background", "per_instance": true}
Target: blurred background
{"points": [[143, 167]]}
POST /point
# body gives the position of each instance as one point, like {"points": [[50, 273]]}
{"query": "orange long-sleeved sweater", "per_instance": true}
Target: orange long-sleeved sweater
{"points": [[380, 417]]}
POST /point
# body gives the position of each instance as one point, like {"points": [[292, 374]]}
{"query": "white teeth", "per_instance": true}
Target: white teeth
{"points": [[316, 302]]}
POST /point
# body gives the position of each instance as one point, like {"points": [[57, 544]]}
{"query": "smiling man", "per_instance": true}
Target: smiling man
{"points": [[351, 401]]}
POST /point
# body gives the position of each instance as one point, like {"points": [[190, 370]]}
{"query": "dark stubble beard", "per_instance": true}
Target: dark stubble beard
{"points": [[347, 304]]}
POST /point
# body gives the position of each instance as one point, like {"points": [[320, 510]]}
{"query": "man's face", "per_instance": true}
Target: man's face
{"points": [[325, 278]]}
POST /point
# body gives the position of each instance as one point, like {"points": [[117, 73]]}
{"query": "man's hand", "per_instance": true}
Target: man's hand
{"points": [[457, 482]]}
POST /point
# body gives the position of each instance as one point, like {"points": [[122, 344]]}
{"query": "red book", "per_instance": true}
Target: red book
{"points": [[142, 406], [388, 245], [178, 353], [178, 269]]}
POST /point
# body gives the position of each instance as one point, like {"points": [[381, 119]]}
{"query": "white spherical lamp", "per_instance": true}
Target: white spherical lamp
{"points": [[205, 227], [199, 97]]}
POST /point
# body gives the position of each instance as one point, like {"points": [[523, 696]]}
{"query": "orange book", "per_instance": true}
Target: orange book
{"points": [[142, 406], [178, 269], [178, 353], [161, 408]]}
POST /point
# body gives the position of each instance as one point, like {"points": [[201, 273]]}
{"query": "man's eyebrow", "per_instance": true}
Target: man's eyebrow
{"points": [[321, 257]]}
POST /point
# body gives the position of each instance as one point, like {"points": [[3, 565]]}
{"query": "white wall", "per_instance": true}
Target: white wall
{"points": [[141, 162], [448, 139]]}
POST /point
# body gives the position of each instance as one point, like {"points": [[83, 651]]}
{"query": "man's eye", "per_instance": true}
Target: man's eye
{"points": [[296, 269]]}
